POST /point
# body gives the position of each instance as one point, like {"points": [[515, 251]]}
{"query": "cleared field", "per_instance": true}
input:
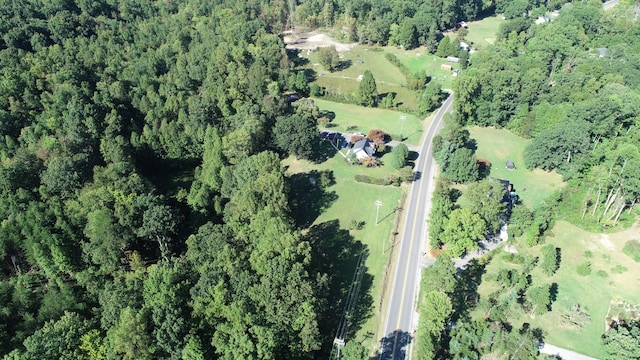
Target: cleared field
{"points": [[358, 118], [356, 201], [421, 60], [593, 292], [500, 145], [483, 32]]}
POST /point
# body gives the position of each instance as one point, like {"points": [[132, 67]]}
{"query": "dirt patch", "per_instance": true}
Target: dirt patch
{"points": [[312, 40], [606, 242]]}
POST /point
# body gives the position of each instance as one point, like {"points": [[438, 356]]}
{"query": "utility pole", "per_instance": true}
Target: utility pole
{"points": [[378, 204], [402, 119]]}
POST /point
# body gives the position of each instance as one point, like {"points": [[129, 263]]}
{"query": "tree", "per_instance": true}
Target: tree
{"points": [[354, 350], [622, 341], [486, 200], [57, 339], [459, 166], [550, 259], [130, 337], [539, 299], [462, 232], [399, 153], [328, 58], [441, 276], [407, 34], [367, 90], [431, 97], [436, 308], [296, 135]]}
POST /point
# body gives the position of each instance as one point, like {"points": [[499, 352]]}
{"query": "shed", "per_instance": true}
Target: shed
{"points": [[510, 165], [445, 67], [453, 59]]}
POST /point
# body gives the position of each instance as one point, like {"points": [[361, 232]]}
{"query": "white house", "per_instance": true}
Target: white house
{"points": [[362, 149]]}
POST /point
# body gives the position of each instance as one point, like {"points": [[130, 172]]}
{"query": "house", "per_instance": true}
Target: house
{"points": [[362, 149], [543, 19]]}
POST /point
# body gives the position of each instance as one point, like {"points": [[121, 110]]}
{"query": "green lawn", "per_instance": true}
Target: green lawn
{"points": [[420, 60], [363, 119], [483, 32], [593, 292], [498, 146], [356, 201]]}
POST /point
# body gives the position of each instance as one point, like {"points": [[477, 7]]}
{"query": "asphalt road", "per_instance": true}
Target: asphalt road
{"points": [[399, 326], [609, 4]]}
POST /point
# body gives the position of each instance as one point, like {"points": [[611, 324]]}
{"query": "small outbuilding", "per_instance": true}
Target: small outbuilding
{"points": [[510, 165], [445, 67]]}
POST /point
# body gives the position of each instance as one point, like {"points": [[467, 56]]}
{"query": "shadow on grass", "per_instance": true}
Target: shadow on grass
{"points": [[335, 254], [465, 296], [323, 152], [309, 200], [395, 345]]}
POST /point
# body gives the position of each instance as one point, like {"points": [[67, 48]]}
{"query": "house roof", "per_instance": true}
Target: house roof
{"points": [[363, 145]]}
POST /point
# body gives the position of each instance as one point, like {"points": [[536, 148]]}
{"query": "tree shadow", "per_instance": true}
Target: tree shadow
{"points": [[395, 345], [328, 114], [310, 74], [465, 295], [323, 151], [309, 200], [293, 55], [553, 294], [413, 155], [336, 255], [343, 65]]}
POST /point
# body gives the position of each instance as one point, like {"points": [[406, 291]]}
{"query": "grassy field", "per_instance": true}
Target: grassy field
{"points": [[483, 32], [593, 292], [388, 77], [498, 146], [356, 201], [363, 119], [420, 60]]}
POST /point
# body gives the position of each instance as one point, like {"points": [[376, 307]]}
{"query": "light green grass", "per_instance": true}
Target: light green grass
{"points": [[483, 32], [365, 119], [388, 78], [356, 201], [592, 292], [498, 146], [421, 60]]}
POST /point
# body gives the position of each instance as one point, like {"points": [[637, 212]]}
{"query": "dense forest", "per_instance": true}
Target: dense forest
{"points": [[144, 210]]}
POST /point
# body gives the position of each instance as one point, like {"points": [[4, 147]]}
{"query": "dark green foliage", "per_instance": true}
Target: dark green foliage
{"points": [[296, 135], [371, 180], [622, 341], [399, 155], [442, 204], [367, 90], [354, 350], [431, 98], [520, 220], [632, 249], [441, 276], [328, 58], [539, 299], [550, 259], [448, 47]]}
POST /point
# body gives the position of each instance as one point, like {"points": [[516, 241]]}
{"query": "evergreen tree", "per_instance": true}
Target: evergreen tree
{"points": [[367, 90]]}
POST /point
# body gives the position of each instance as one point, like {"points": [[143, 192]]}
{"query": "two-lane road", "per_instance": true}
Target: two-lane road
{"points": [[398, 328]]}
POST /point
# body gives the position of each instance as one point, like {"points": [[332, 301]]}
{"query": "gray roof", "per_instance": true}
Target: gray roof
{"points": [[363, 145]]}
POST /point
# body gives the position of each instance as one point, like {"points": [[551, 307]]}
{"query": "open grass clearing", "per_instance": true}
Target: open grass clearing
{"points": [[593, 292], [420, 59], [353, 118], [500, 145], [356, 201], [483, 32]]}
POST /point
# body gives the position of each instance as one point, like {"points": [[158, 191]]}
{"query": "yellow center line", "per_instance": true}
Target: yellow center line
{"points": [[413, 230]]}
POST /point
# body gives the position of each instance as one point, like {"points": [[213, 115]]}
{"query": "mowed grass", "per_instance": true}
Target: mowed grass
{"points": [[593, 292], [356, 201], [483, 32], [500, 145], [354, 118], [420, 59]]}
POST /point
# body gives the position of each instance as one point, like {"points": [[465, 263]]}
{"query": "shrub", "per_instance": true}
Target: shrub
{"points": [[632, 249], [377, 136], [370, 180], [513, 258], [619, 269], [316, 90], [356, 225], [584, 269], [588, 254], [602, 274]]}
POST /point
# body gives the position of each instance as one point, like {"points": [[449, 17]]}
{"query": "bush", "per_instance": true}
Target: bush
{"points": [[619, 269], [316, 90], [632, 249], [584, 269], [356, 225], [602, 274], [370, 180], [513, 258]]}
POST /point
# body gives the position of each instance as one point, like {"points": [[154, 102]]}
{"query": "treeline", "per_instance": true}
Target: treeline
{"points": [[144, 210], [572, 86]]}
